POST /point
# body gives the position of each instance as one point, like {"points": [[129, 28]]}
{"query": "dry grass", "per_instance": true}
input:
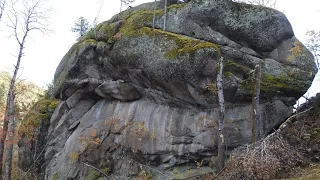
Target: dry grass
{"points": [[262, 161], [310, 173], [282, 154]]}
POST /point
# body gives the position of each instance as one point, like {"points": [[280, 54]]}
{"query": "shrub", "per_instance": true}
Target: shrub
{"points": [[263, 160]]}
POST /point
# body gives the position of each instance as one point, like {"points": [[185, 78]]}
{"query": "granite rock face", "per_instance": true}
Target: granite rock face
{"points": [[130, 95]]}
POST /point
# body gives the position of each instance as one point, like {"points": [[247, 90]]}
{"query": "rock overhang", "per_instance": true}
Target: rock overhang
{"points": [[187, 33], [161, 81]]}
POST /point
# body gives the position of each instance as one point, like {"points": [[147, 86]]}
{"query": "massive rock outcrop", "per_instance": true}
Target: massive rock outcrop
{"points": [[130, 95]]}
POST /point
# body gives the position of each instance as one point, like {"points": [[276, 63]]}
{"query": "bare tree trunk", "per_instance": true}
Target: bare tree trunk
{"points": [[7, 116], [255, 104], [121, 6], [32, 20], [2, 5], [165, 15], [9, 151], [154, 14], [221, 138], [8, 162]]}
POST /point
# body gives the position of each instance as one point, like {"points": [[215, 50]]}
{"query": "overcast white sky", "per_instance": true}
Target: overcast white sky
{"points": [[43, 53]]}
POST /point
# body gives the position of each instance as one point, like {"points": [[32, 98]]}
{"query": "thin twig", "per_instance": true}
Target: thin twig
{"points": [[221, 171]]}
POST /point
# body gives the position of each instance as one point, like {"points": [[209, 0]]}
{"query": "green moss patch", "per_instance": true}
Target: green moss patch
{"points": [[102, 32], [177, 6], [232, 65], [227, 73], [137, 21], [279, 84], [93, 174], [41, 111], [185, 45]]}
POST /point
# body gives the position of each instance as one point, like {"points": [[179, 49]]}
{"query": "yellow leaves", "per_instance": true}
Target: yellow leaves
{"points": [[212, 87], [93, 133], [93, 138], [143, 175], [296, 50], [74, 156]]}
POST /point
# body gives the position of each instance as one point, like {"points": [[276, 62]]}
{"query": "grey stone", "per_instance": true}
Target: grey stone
{"points": [[148, 97]]}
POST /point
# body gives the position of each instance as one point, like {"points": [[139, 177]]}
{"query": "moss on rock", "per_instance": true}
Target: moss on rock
{"points": [[185, 45], [93, 174], [276, 84], [136, 21], [41, 111], [177, 6]]}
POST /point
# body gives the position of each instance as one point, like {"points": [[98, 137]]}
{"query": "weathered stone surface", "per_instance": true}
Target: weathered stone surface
{"points": [[131, 95], [118, 90]]}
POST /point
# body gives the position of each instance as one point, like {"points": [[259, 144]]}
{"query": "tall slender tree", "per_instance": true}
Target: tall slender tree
{"points": [[165, 15], [154, 14], [24, 16], [255, 103], [221, 137]]}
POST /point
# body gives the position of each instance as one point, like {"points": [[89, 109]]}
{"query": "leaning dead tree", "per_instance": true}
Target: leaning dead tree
{"points": [[255, 103], [24, 16], [221, 137]]}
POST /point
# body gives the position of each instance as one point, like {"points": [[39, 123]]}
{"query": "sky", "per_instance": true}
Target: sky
{"points": [[44, 52]]}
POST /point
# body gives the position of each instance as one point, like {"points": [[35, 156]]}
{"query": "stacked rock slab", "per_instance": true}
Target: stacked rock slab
{"points": [[131, 95]]}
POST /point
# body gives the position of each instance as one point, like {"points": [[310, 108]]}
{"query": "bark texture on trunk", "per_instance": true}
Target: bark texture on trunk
{"points": [[154, 14], [255, 104], [165, 15], [10, 115], [221, 138]]}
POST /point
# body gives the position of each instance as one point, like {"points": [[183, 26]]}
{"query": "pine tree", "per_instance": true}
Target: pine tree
{"points": [[81, 26]]}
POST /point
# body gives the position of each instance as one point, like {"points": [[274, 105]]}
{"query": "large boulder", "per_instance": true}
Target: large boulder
{"points": [[132, 95]]}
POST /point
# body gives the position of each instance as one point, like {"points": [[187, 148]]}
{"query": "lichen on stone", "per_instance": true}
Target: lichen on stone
{"points": [[278, 84], [71, 56], [177, 6], [137, 21], [185, 45]]}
